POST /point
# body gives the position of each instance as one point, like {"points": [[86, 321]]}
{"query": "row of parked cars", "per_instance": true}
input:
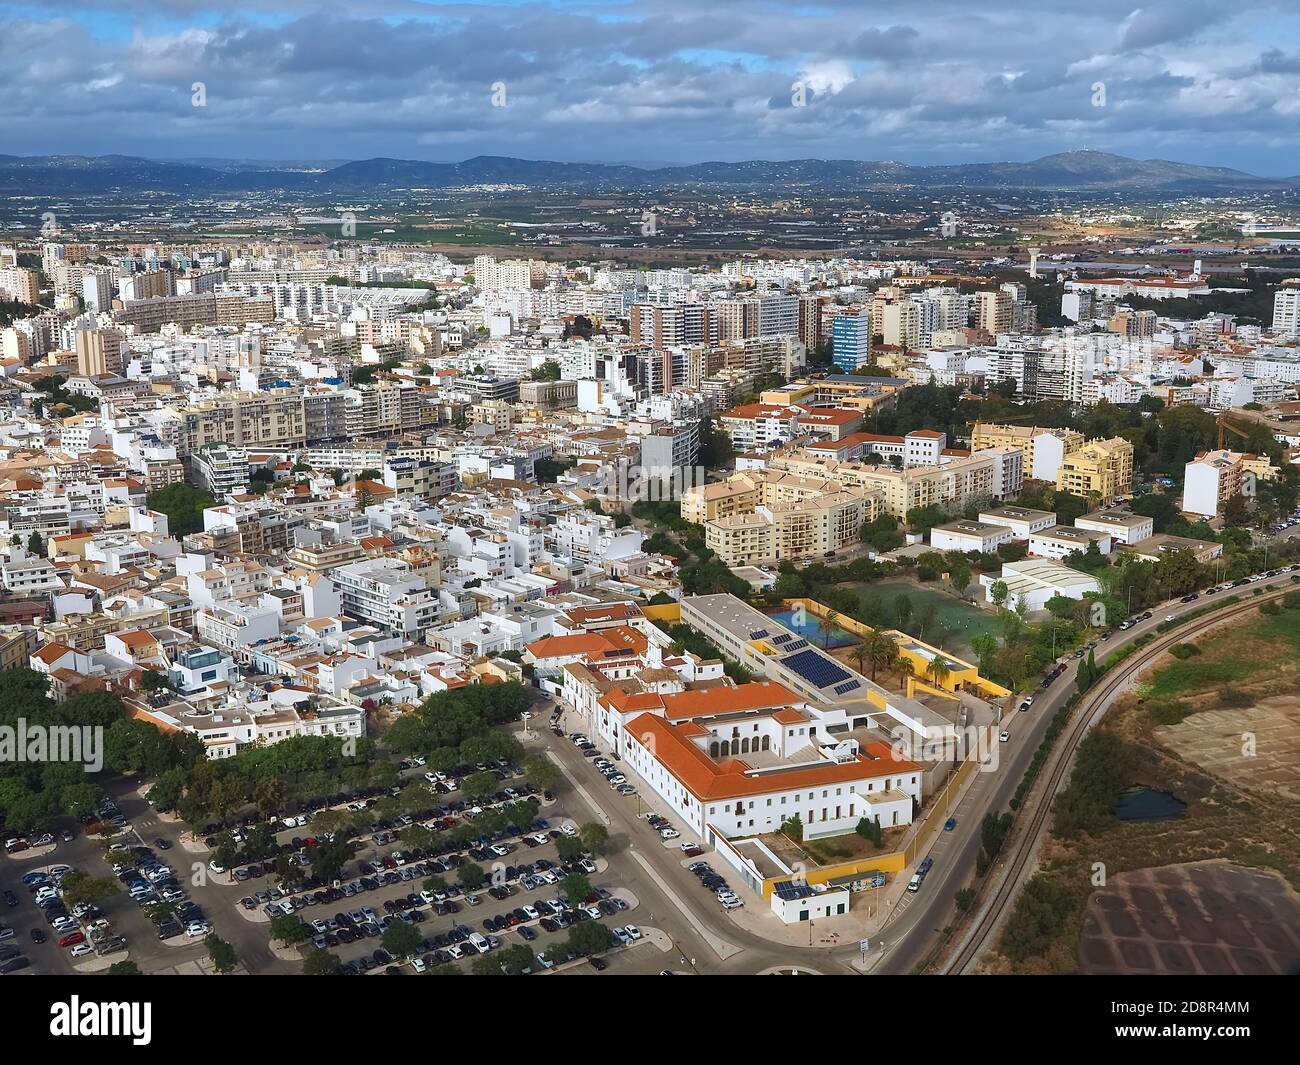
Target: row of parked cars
{"points": [[716, 883], [82, 931], [611, 773], [663, 826], [416, 865], [151, 882]]}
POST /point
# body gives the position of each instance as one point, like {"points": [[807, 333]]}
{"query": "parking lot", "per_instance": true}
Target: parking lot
{"points": [[87, 937], [157, 865], [521, 901]]}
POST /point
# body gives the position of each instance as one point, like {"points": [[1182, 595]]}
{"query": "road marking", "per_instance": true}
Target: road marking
{"points": [[580, 789], [721, 947]]}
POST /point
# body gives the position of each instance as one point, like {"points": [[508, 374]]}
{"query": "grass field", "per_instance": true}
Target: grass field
{"points": [[1264, 647], [959, 621]]}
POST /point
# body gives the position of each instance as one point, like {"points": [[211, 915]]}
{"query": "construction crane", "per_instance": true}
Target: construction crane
{"points": [[1223, 423]]}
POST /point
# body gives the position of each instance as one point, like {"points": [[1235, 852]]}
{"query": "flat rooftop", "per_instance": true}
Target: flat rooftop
{"points": [[1016, 514], [1124, 519]]}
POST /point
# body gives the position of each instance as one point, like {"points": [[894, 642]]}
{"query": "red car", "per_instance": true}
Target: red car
{"points": [[72, 939], [310, 841]]}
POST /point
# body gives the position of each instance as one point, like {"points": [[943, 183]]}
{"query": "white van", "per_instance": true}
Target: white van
{"points": [[479, 942], [915, 883]]}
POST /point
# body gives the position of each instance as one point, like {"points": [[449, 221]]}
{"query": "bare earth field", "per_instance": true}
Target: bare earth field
{"points": [[1214, 890], [1256, 748], [1197, 918]]}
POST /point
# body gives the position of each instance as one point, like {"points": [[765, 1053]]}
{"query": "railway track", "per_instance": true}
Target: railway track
{"points": [[1088, 712]]}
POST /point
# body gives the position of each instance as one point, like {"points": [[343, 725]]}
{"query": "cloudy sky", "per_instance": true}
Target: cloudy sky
{"points": [[655, 81]]}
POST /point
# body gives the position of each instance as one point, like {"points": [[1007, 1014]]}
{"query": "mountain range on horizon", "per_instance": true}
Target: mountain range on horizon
{"points": [[1081, 171]]}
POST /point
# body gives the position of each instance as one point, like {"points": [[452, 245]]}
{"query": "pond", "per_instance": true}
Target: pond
{"points": [[811, 629], [1147, 804]]}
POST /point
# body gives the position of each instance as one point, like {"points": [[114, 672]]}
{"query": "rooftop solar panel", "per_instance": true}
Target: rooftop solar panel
{"points": [[816, 669]]}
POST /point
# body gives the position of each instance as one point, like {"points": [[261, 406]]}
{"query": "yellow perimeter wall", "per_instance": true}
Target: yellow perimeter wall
{"points": [[895, 861], [669, 612], [962, 673]]}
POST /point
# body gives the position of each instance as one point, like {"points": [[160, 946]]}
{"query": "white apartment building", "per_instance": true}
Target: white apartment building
{"points": [[1059, 541], [1022, 521], [386, 593], [969, 536], [1123, 527]]}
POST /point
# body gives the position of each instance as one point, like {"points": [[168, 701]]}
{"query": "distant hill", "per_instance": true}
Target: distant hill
{"points": [[1078, 170]]}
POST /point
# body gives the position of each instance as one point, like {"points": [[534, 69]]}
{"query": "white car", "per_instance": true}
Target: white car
{"points": [[81, 950], [218, 869], [668, 833], [633, 932], [418, 964], [1005, 736], [569, 829], [197, 928]]}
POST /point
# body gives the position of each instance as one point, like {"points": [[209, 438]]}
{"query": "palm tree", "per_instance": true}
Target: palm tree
{"points": [[937, 670], [827, 626], [883, 651], [904, 668], [861, 653]]}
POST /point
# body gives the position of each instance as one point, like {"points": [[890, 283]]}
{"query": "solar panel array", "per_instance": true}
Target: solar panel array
{"points": [[790, 891], [817, 670], [846, 687]]}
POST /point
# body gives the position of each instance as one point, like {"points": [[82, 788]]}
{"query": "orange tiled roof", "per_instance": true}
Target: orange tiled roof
{"points": [[709, 780]]}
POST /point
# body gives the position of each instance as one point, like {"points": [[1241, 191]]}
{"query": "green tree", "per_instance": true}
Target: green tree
{"points": [[589, 937], [471, 876], [321, 963], [80, 887], [183, 504], [960, 576], [478, 785], [902, 609], [594, 837], [289, 928], [124, 968], [400, 939], [938, 671], [541, 773], [222, 954], [574, 888]]}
